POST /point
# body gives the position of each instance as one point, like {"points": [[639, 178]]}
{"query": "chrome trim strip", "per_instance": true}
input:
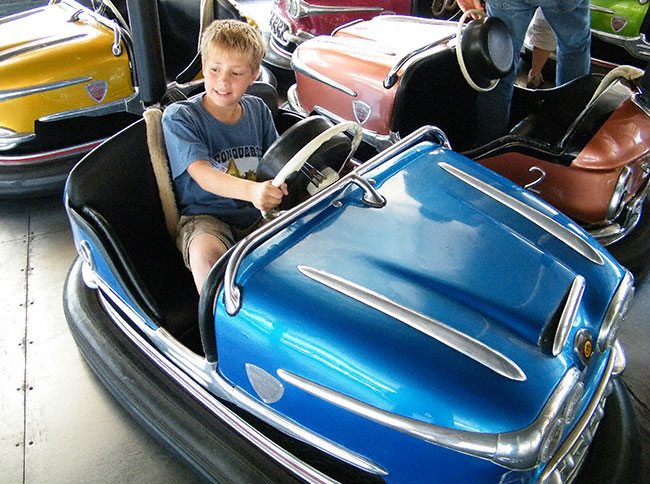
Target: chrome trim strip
{"points": [[302, 68], [598, 8], [461, 342], [294, 101], [636, 46], [545, 222], [568, 314], [19, 15], [582, 424], [514, 450], [306, 9], [415, 20], [391, 78], [10, 140], [481, 445], [8, 94], [37, 44], [618, 308], [622, 188], [119, 105], [203, 382]]}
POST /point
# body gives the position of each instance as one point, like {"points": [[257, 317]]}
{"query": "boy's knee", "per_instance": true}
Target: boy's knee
{"points": [[206, 249]]}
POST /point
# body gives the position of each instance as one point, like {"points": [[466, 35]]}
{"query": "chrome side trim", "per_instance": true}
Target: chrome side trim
{"points": [[11, 139], [637, 46], [19, 15], [598, 8], [545, 222], [461, 342], [305, 9], [568, 314], [38, 44], [8, 94], [514, 450], [621, 360], [130, 104], [302, 68], [203, 382]]}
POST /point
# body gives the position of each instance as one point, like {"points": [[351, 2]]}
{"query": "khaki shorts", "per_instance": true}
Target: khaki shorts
{"points": [[189, 226]]}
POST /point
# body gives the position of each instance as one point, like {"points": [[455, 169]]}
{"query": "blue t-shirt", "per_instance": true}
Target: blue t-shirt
{"points": [[192, 133]]}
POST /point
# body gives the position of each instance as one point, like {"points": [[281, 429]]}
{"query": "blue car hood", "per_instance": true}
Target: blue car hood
{"points": [[431, 307]]}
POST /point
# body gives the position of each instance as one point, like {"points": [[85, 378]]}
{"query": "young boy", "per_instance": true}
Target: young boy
{"points": [[214, 142]]}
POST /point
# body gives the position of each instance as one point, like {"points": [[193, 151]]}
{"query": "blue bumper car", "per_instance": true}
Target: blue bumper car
{"points": [[419, 320]]}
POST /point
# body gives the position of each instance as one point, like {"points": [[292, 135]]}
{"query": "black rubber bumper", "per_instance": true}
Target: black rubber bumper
{"points": [[211, 447], [20, 179], [614, 456]]}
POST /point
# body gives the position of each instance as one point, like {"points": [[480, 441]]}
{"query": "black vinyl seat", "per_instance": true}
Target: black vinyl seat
{"points": [[113, 195]]}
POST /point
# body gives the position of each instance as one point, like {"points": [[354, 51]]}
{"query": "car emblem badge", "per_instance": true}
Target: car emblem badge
{"points": [[97, 90], [618, 23], [361, 111], [266, 385]]}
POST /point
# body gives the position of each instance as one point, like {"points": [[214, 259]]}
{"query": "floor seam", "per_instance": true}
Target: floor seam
{"points": [[25, 339]]}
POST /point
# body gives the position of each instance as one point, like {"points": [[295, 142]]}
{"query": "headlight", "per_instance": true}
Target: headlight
{"points": [[615, 313], [551, 440], [573, 402]]}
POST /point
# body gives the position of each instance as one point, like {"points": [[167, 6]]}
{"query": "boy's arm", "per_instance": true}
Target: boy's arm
{"points": [[262, 195]]}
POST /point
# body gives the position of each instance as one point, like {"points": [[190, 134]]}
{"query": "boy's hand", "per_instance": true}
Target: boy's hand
{"points": [[266, 197], [466, 5]]}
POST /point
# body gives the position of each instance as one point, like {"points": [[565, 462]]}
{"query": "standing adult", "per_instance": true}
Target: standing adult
{"points": [[569, 19]]}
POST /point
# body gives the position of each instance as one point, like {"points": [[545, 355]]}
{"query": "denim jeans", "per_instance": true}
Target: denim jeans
{"points": [[570, 21]]}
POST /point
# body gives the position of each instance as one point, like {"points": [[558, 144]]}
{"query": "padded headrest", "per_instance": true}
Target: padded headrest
{"points": [[487, 50]]}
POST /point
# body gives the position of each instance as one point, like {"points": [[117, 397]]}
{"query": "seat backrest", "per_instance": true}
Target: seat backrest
{"points": [[433, 92], [550, 121], [181, 24], [113, 193]]}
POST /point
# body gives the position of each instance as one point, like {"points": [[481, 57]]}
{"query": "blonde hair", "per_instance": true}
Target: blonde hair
{"points": [[234, 36]]}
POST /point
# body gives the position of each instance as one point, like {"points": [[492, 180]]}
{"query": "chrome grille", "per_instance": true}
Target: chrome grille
{"points": [[568, 468], [279, 28], [565, 465]]}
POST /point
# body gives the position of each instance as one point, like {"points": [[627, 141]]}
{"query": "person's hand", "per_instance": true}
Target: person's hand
{"points": [[466, 5], [266, 197]]}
